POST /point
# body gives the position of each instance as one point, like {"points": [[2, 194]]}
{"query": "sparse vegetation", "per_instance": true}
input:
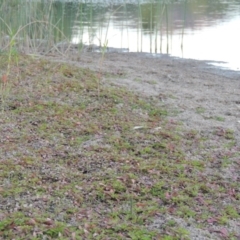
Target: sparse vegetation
{"points": [[73, 164], [81, 158]]}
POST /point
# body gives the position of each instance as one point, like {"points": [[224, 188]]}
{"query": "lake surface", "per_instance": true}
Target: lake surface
{"points": [[197, 29]]}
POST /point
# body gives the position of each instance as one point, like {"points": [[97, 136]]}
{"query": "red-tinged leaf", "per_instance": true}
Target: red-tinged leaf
{"points": [[200, 200], [174, 194], [11, 225], [31, 222], [232, 192], [212, 220], [224, 232], [171, 210], [140, 205], [4, 79], [48, 222], [67, 232], [120, 235], [168, 196]]}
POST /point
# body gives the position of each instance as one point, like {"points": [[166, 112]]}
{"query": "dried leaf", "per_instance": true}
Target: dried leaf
{"points": [[32, 222], [48, 221]]}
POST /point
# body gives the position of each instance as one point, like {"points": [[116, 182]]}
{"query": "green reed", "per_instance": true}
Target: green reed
{"points": [[44, 26], [184, 22], [139, 28]]}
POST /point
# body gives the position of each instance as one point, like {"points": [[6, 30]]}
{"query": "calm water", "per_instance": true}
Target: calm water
{"points": [[198, 29]]}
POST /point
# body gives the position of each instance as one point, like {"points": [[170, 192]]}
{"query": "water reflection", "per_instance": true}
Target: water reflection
{"points": [[199, 29]]}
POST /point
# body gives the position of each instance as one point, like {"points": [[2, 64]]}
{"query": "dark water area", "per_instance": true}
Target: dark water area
{"points": [[197, 29]]}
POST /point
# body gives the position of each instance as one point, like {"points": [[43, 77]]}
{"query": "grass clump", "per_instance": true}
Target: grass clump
{"points": [[74, 164]]}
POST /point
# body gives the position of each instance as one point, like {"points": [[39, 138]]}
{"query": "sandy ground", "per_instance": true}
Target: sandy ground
{"points": [[202, 97]]}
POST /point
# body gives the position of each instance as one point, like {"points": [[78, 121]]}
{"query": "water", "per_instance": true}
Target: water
{"points": [[197, 29]]}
